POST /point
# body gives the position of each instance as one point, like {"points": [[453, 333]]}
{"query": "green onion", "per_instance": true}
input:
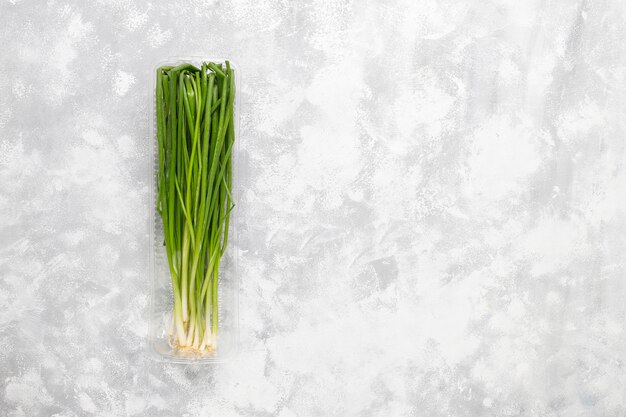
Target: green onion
{"points": [[195, 137]]}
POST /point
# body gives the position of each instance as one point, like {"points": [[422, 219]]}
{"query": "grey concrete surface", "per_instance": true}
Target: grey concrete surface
{"points": [[431, 208]]}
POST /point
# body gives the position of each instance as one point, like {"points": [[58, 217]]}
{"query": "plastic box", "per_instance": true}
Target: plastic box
{"points": [[162, 294]]}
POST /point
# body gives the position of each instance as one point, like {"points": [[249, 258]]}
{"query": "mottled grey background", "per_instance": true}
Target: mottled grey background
{"points": [[431, 207]]}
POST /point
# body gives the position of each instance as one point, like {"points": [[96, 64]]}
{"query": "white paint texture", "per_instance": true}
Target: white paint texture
{"points": [[431, 211]]}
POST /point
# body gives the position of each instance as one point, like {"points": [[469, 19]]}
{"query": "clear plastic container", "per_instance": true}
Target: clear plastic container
{"points": [[162, 298]]}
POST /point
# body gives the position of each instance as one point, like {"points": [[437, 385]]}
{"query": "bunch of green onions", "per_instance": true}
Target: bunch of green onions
{"points": [[195, 135]]}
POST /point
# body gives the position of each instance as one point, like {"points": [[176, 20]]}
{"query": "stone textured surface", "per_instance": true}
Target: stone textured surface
{"points": [[431, 212]]}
